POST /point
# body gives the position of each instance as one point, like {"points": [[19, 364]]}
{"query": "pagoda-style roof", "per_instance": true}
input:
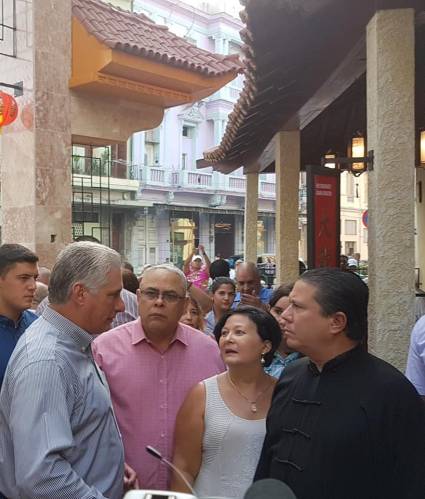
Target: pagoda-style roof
{"points": [[300, 56], [138, 35], [120, 54]]}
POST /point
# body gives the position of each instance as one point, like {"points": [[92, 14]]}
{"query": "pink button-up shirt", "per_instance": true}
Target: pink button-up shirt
{"points": [[148, 387]]}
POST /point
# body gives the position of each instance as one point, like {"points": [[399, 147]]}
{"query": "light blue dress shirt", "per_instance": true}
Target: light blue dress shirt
{"points": [[265, 295], [58, 434], [279, 363]]}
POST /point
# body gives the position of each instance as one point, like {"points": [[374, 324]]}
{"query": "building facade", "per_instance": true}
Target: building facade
{"points": [[154, 205]]}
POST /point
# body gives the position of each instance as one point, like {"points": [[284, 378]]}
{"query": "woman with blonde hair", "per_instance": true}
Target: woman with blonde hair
{"points": [[193, 315]]}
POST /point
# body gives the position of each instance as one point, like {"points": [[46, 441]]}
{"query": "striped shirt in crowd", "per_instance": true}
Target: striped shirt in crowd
{"points": [[59, 437]]}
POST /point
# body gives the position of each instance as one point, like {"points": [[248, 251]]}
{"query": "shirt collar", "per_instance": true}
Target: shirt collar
{"points": [[138, 334], [337, 362], [279, 360], [9, 322], [82, 338]]}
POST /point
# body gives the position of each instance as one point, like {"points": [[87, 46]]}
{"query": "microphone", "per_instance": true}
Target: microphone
{"points": [[269, 488], [156, 454]]}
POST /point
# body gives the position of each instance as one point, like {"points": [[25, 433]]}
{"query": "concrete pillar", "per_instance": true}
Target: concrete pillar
{"points": [[420, 225], [390, 132], [287, 186], [163, 227], [36, 149], [238, 234], [251, 215], [206, 238]]}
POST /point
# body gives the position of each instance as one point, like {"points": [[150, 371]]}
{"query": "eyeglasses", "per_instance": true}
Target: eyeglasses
{"points": [[167, 296]]}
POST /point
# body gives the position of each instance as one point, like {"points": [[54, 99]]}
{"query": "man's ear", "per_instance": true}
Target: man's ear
{"points": [[338, 322], [79, 293]]}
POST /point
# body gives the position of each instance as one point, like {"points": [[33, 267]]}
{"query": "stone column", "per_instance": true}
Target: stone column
{"points": [[287, 186], [205, 233], [251, 215], [390, 132], [238, 234], [36, 149]]}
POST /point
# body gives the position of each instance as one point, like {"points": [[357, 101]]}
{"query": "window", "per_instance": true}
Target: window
{"points": [[184, 161], [152, 256], [186, 131], [351, 227], [152, 145], [350, 248], [365, 234], [151, 154], [350, 187]]}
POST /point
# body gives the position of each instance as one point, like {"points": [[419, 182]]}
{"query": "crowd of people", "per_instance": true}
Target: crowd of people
{"points": [[231, 381]]}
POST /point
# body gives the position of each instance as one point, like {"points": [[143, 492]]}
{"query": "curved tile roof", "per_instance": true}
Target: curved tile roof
{"points": [[138, 35], [290, 48]]}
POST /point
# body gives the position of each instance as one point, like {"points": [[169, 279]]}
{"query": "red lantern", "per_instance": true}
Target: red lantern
{"points": [[8, 109], [27, 116]]}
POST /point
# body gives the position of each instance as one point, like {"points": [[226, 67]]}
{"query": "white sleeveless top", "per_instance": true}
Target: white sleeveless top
{"points": [[231, 448]]}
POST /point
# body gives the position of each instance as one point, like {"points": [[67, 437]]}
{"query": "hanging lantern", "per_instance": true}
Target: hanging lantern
{"points": [[26, 116], [8, 109], [358, 149]]}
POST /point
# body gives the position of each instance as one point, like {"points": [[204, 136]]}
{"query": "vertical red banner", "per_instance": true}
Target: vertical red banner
{"points": [[323, 217]]}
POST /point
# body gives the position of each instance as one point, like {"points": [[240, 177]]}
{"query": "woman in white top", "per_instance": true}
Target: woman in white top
{"points": [[221, 425]]}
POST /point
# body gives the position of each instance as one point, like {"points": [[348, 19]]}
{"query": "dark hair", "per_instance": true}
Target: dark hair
{"points": [[278, 293], [219, 281], [90, 239], [267, 327], [10, 254], [219, 268], [130, 281], [341, 291], [127, 266]]}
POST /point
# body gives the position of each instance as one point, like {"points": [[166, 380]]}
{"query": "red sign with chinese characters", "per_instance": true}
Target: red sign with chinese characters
{"points": [[325, 192]]}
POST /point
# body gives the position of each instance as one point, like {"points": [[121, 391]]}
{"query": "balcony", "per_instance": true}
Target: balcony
{"points": [[158, 176], [267, 189], [227, 93]]}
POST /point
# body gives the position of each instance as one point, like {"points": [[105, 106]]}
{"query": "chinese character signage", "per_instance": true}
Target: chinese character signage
{"points": [[323, 217]]}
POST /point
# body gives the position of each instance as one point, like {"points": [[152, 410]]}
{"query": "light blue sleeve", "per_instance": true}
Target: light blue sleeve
{"points": [[41, 432], [415, 370]]}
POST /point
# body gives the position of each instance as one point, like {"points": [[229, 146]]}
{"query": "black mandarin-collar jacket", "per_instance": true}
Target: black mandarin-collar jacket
{"points": [[355, 430]]}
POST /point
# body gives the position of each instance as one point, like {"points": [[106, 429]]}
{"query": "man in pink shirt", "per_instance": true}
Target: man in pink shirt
{"points": [[150, 365]]}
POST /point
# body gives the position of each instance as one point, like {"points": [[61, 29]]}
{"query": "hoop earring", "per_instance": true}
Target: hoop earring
{"points": [[262, 359]]}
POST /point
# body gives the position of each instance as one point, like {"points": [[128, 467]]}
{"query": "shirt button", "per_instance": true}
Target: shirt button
{"points": [[161, 381], [162, 357], [162, 435]]}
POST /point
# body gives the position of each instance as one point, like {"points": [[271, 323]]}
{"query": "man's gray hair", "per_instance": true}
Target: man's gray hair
{"points": [[168, 268], [83, 262]]}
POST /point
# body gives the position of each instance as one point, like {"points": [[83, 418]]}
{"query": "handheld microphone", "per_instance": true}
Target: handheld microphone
{"points": [[269, 488], [156, 454]]}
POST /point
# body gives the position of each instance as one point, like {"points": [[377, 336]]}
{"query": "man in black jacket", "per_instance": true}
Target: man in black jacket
{"points": [[343, 423]]}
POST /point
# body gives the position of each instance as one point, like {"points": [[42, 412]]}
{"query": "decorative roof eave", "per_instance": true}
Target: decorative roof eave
{"points": [[136, 34], [281, 77]]}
